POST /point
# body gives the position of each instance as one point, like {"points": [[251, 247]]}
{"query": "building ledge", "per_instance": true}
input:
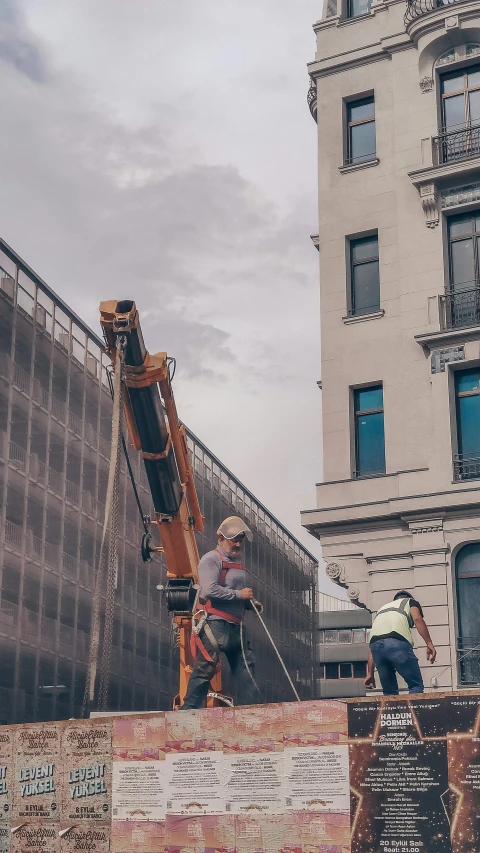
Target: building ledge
{"points": [[436, 340], [354, 167], [336, 514], [359, 318], [445, 171]]}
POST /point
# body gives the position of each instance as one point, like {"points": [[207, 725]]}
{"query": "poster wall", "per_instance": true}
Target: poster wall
{"points": [[386, 775]]}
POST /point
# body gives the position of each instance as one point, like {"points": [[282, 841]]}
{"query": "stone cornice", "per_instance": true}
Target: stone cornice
{"points": [[356, 516], [375, 52], [444, 172], [449, 337]]}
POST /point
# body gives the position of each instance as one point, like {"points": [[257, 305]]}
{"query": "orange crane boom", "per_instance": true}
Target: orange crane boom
{"points": [[156, 432]]}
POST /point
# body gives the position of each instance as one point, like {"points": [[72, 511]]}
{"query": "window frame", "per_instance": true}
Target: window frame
{"points": [[352, 240], [358, 413], [465, 90], [364, 635], [345, 631], [349, 103], [348, 11], [330, 632], [456, 433]]}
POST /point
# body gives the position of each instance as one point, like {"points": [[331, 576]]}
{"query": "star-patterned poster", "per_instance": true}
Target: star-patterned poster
{"points": [[415, 775]]}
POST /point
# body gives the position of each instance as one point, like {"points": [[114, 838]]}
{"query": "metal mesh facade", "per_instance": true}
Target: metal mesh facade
{"points": [[55, 421]]}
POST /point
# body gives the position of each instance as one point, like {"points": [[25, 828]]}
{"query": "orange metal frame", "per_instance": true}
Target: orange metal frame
{"points": [[177, 533]]}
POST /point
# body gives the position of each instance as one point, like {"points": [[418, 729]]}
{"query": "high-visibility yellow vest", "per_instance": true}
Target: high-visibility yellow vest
{"points": [[394, 616]]}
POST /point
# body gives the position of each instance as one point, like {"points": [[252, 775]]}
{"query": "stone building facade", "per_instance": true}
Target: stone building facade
{"points": [[395, 90], [55, 424]]}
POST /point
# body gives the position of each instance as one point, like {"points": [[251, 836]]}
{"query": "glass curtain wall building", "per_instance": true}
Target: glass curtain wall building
{"points": [[55, 421]]}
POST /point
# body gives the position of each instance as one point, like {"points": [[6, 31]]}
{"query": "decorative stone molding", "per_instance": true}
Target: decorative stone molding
{"points": [[441, 357], [312, 99], [431, 525], [353, 593], [451, 23], [429, 198], [426, 84], [336, 572]]}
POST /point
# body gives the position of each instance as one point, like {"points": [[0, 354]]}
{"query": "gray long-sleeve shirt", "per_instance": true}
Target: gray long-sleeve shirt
{"points": [[226, 598]]}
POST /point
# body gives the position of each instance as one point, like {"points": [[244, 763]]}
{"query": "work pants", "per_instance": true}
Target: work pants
{"points": [[227, 635], [391, 656]]}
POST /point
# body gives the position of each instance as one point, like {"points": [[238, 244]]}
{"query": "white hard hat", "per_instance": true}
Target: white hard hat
{"points": [[233, 526]]}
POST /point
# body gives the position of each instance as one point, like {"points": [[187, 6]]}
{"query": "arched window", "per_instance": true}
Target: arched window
{"points": [[468, 602]]}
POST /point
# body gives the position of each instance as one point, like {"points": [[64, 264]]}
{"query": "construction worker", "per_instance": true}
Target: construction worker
{"points": [[224, 596], [391, 645]]}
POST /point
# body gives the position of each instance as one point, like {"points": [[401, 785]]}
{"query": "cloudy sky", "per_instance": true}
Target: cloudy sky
{"points": [[163, 150]]}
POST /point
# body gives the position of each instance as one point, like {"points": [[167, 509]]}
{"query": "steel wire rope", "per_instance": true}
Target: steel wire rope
{"points": [[297, 697], [111, 499], [129, 467]]}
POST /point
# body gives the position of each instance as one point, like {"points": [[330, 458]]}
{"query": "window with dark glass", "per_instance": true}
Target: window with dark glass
{"points": [[345, 636], [331, 636], [369, 431], [359, 669], [356, 8], [467, 394], [358, 635], [331, 670], [460, 91], [462, 299], [467, 566], [364, 276], [361, 144], [345, 670]]}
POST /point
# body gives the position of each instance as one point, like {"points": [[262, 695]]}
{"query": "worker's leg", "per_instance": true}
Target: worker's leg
{"points": [[385, 666], [406, 664], [204, 670], [246, 691]]}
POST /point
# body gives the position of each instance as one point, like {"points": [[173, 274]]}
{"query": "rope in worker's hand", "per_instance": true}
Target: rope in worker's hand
{"points": [[255, 606]]}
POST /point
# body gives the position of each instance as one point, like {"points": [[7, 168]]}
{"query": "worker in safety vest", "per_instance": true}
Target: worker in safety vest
{"points": [[224, 596], [391, 645]]}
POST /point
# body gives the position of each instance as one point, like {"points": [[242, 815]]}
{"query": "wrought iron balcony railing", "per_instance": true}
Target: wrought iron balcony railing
{"points": [[466, 467], [418, 8], [452, 145], [460, 306], [468, 656]]}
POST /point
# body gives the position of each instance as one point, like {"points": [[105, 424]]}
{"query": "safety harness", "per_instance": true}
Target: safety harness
{"points": [[201, 614]]}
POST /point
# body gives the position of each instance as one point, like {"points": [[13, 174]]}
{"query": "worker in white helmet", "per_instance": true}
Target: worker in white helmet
{"points": [[224, 595]]}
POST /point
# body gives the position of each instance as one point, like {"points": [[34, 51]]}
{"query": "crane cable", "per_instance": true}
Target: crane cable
{"points": [[110, 523], [143, 517]]}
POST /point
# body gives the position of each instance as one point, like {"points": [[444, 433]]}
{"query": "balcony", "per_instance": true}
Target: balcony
{"points": [[466, 468], [419, 8], [454, 145], [460, 308]]}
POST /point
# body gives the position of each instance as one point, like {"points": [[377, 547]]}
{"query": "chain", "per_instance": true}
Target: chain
{"points": [[110, 523]]}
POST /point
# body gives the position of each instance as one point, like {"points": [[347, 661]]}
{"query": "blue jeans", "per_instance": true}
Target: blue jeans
{"points": [[227, 636], [391, 656]]}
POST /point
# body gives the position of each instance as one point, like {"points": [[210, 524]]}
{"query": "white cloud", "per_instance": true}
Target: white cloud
{"points": [[166, 151]]}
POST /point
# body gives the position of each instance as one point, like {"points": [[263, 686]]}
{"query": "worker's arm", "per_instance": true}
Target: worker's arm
{"points": [[370, 676], [209, 569], [422, 629]]}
